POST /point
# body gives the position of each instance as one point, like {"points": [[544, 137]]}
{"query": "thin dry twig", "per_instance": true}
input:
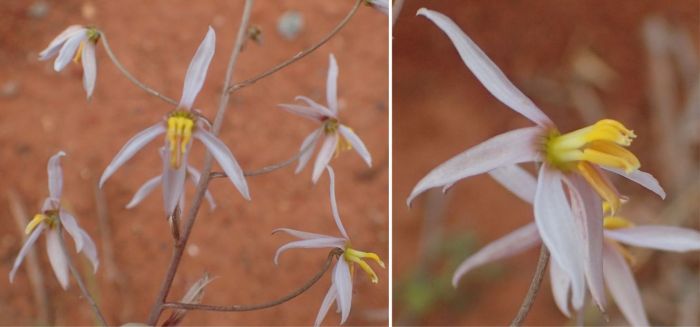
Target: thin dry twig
{"points": [[237, 308], [534, 287], [269, 168]]}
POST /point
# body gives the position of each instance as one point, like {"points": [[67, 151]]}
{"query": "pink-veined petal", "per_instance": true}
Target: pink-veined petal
{"points": [[558, 230], [343, 283], [331, 296], [308, 146], [516, 242], [55, 175], [57, 258], [25, 250], [623, 288], [90, 250], [132, 146], [58, 41], [560, 287], [667, 238], [317, 106], [71, 225], [194, 177], [226, 160], [324, 156], [516, 180], [509, 148], [314, 243], [644, 179], [144, 191], [334, 204], [332, 84], [303, 111], [173, 181], [68, 50], [356, 143], [486, 71], [197, 71], [89, 68], [587, 207]]}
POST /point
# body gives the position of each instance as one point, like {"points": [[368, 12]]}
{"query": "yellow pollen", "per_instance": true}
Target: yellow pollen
{"points": [[342, 145], [51, 220], [352, 255], [612, 200], [179, 134], [614, 222], [79, 54], [625, 253]]}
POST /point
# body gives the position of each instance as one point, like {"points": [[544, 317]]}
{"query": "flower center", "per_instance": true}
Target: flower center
{"points": [[330, 126], [48, 217], [180, 126], [93, 35], [351, 255], [602, 143]]}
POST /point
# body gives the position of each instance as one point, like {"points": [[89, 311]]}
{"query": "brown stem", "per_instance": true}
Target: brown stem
{"points": [[534, 287], [300, 54], [79, 279], [204, 180], [252, 307], [129, 76]]}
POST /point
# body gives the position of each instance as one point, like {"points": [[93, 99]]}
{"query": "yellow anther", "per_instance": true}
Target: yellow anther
{"points": [[93, 34], [330, 126], [179, 134], [342, 145], [614, 222], [611, 198], [38, 219], [352, 255], [79, 53]]}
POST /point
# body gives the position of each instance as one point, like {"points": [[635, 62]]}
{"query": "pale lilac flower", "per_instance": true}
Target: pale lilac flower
{"points": [[574, 159], [381, 5], [75, 43], [49, 220], [341, 286], [180, 126], [336, 136]]}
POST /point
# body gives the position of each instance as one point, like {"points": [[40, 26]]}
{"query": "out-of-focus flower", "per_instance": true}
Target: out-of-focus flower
{"points": [[336, 136], [77, 43], [181, 126], [574, 159], [341, 287], [381, 5], [50, 220]]}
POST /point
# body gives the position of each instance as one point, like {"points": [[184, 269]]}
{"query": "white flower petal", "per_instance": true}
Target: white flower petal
{"points": [[332, 84], [356, 143], [381, 5], [303, 111], [71, 226], [130, 148], [50, 204], [642, 178], [225, 159], [324, 156], [622, 286], [516, 180], [558, 230], [301, 234], [25, 250], [173, 183], [144, 191], [90, 250], [315, 243], [509, 148], [55, 175], [197, 71], [68, 50], [667, 238], [89, 68], [560, 287], [486, 71], [57, 257], [194, 177], [308, 152], [516, 242], [331, 296], [316, 106], [343, 283], [334, 204], [58, 41]]}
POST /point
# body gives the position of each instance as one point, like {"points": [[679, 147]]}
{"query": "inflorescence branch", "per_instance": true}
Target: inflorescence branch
{"points": [[534, 287]]}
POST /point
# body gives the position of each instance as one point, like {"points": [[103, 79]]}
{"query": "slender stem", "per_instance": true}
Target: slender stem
{"points": [[534, 287], [204, 179], [79, 279], [301, 54], [269, 168], [252, 307], [129, 76]]}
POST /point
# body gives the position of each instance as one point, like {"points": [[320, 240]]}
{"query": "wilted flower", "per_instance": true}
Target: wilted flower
{"points": [[574, 159], [77, 43], [381, 5], [180, 126], [337, 137], [51, 218], [341, 287]]}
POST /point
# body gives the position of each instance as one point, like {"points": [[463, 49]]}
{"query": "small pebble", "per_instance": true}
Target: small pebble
{"points": [[38, 9], [290, 24], [9, 88]]}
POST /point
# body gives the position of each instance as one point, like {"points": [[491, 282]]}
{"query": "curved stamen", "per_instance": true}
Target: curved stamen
{"points": [[352, 255]]}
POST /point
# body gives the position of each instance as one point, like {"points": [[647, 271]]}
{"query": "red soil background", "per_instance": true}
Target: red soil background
{"points": [[44, 112], [440, 109]]}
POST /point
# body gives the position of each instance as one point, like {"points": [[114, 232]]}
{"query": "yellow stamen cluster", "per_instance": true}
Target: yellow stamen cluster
{"points": [[614, 222], [351, 255], [330, 126], [179, 134], [50, 218], [602, 143]]}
